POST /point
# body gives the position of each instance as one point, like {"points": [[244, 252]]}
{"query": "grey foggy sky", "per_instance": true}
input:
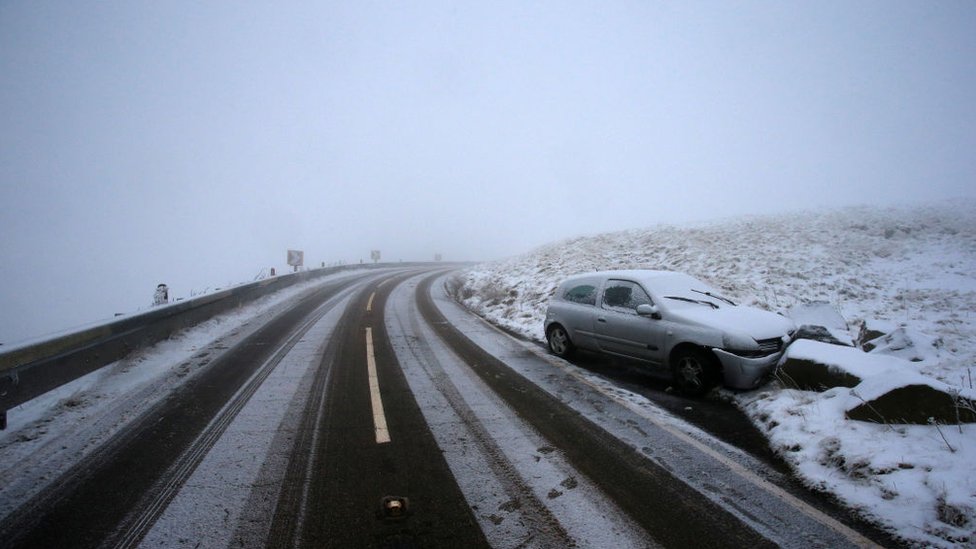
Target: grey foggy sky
{"points": [[194, 143]]}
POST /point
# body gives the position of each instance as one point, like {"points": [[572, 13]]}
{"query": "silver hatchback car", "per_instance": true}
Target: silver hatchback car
{"points": [[671, 321]]}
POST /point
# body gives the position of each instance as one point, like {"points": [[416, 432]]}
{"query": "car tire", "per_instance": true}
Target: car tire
{"points": [[694, 371], [559, 342]]}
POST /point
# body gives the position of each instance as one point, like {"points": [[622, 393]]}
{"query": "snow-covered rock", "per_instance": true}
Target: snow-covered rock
{"points": [[817, 366], [902, 396], [907, 344]]}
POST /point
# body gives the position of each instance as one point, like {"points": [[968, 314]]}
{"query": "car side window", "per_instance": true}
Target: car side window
{"points": [[624, 296], [584, 294]]}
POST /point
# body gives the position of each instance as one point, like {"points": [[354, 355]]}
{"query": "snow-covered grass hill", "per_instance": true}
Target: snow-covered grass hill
{"points": [[912, 268]]}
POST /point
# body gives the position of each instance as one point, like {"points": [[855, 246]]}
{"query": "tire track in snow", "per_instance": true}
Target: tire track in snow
{"points": [[520, 487], [521, 504], [138, 524]]}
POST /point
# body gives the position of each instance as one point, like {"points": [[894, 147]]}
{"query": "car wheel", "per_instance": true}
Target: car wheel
{"points": [[694, 372], [559, 342]]}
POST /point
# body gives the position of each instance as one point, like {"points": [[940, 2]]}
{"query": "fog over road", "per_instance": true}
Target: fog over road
{"points": [[374, 412]]}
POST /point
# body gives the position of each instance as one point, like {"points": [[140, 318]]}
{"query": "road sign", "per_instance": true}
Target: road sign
{"points": [[374, 255], [296, 258]]}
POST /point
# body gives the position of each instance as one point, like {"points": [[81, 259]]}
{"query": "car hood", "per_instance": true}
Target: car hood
{"points": [[756, 323]]}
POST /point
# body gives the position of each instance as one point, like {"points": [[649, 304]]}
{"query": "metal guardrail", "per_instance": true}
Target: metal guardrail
{"points": [[28, 372]]}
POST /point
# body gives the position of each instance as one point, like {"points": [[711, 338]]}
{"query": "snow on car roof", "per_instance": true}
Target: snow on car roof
{"points": [[661, 283], [630, 273], [641, 275]]}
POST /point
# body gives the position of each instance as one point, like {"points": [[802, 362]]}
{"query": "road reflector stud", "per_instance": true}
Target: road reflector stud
{"points": [[394, 507]]}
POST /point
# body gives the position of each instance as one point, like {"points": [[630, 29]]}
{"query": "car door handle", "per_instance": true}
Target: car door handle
{"points": [[601, 319]]}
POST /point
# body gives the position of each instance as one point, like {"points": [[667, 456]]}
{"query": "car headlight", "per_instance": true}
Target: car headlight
{"points": [[738, 342]]}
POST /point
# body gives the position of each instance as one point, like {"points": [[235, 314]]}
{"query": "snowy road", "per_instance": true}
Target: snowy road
{"points": [[372, 411]]}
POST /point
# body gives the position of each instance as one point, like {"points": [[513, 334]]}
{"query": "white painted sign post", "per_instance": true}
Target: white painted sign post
{"points": [[296, 258]]}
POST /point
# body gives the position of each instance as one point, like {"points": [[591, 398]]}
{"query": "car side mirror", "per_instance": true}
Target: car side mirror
{"points": [[649, 310]]}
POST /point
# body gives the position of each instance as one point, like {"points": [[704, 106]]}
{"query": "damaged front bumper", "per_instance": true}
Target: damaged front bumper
{"points": [[746, 373]]}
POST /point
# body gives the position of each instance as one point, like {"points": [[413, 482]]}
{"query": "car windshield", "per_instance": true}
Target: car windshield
{"points": [[684, 289]]}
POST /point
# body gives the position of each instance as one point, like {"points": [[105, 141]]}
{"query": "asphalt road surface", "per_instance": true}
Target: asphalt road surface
{"points": [[375, 412]]}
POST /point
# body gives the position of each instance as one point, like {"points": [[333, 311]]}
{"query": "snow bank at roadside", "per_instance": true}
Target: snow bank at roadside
{"points": [[911, 271]]}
